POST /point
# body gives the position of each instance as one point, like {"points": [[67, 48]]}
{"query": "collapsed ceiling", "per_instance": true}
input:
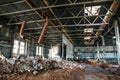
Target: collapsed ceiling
{"points": [[82, 21]]}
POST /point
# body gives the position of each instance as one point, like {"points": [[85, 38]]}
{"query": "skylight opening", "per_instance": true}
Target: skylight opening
{"points": [[92, 10], [88, 30], [87, 38]]}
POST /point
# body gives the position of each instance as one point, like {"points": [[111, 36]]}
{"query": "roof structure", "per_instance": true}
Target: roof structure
{"points": [[76, 19]]}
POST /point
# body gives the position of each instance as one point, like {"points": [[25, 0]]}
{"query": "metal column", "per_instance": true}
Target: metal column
{"points": [[26, 50], [103, 45], [94, 52], [42, 52], [117, 40], [62, 50], [62, 46], [98, 52]]}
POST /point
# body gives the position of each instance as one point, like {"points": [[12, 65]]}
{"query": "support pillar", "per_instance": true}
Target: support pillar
{"points": [[94, 52], [42, 52], [103, 46], [26, 50], [98, 52], [62, 46], [62, 50], [117, 40]]}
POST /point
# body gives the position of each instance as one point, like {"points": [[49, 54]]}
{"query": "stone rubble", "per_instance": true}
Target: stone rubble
{"points": [[51, 68]]}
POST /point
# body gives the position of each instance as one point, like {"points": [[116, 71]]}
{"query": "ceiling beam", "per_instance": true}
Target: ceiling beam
{"points": [[11, 3], [66, 26], [56, 35], [112, 10], [83, 37], [114, 6], [63, 30], [38, 13], [28, 22], [54, 6], [62, 18]]}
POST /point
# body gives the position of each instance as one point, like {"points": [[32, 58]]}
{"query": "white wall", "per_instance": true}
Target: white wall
{"points": [[69, 51], [53, 51]]}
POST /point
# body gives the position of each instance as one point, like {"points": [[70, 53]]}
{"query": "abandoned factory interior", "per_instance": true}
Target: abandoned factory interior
{"points": [[59, 39]]}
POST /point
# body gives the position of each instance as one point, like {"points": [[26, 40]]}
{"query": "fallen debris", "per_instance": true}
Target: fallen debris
{"points": [[23, 68]]}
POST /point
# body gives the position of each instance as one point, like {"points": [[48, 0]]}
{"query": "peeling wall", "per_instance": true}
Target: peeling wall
{"points": [[31, 49], [45, 52], [85, 52], [6, 37], [69, 51], [5, 50]]}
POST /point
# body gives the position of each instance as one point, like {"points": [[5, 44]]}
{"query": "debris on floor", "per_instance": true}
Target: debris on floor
{"points": [[23, 68]]}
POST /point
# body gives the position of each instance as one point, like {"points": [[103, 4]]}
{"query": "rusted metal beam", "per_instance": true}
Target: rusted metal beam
{"points": [[36, 10], [38, 13], [56, 6], [43, 31], [113, 8], [22, 29], [64, 31]]}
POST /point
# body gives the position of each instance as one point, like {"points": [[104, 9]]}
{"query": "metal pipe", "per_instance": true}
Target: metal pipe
{"points": [[21, 32], [113, 8], [46, 3], [54, 6], [38, 12], [22, 29], [43, 31]]}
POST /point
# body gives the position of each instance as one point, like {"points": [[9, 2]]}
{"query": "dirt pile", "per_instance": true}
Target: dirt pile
{"points": [[62, 74]]}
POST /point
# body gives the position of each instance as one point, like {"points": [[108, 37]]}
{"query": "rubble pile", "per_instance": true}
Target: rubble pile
{"points": [[64, 64], [23, 68], [25, 64]]}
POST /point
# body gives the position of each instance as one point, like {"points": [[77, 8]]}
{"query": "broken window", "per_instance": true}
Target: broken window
{"points": [[38, 50], [15, 46], [18, 47]]}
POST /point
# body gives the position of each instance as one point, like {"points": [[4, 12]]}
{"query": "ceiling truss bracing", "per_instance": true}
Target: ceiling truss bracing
{"points": [[69, 17]]}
